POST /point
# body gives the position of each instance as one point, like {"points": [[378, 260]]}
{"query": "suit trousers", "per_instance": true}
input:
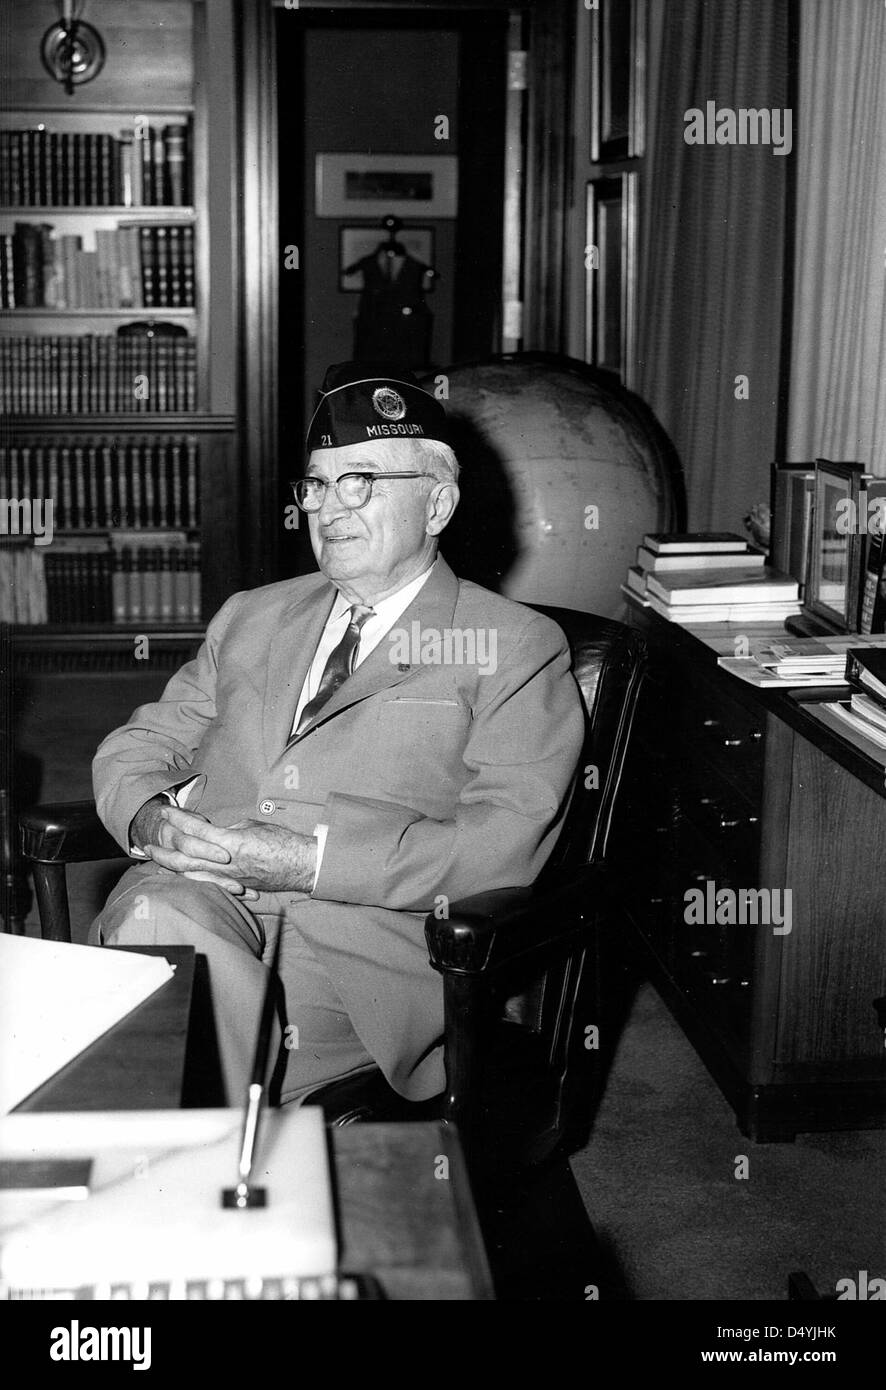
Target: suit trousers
{"points": [[313, 1040]]}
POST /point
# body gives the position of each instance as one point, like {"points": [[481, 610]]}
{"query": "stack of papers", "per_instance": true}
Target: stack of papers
{"points": [[56, 999], [796, 661]]}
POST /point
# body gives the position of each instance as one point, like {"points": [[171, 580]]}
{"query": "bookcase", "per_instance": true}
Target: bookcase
{"points": [[118, 391]]}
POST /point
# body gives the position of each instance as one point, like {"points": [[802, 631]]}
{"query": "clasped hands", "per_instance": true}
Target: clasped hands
{"points": [[242, 858]]}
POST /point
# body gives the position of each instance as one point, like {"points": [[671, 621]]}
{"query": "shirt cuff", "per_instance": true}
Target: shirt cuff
{"points": [[176, 796], [320, 833]]}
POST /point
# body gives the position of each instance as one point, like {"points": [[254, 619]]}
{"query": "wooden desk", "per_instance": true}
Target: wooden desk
{"points": [[404, 1205], [744, 788], [401, 1219]]}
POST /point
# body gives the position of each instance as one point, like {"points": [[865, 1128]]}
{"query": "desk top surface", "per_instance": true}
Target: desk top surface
{"points": [[402, 1194]]}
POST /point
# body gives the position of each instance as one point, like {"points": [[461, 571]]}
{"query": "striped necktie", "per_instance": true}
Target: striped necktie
{"points": [[339, 665]]}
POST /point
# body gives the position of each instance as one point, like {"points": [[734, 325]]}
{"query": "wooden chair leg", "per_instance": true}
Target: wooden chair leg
{"points": [[51, 889]]}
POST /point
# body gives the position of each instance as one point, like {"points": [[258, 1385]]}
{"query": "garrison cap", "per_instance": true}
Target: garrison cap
{"points": [[362, 402]]}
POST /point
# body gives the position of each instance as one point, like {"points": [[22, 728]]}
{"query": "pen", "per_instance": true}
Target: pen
{"points": [[244, 1195]]}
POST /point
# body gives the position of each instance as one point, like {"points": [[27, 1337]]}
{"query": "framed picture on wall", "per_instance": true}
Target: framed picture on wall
{"points": [[611, 273], [618, 80], [372, 185], [355, 243], [832, 588]]}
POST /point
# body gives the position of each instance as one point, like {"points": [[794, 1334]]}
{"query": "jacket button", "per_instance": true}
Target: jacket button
{"points": [[267, 808]]}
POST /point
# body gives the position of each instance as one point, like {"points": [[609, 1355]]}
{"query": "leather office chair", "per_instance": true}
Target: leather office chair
{"points": [[519, 965]]}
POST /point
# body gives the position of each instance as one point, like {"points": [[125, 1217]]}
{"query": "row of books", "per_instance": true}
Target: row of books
{"points": [[706, 577], [99, 484], [133, 267], [92, 373], [144, 166], [80, 582]]}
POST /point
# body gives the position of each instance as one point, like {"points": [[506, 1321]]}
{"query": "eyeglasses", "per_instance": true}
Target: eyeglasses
{"points": [[353, 490]]}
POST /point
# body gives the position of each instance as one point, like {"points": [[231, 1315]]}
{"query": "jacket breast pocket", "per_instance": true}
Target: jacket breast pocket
{"points": [[418, 753]]}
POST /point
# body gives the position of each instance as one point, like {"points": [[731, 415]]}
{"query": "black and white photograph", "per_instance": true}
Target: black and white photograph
{"points": [[443, 660]]}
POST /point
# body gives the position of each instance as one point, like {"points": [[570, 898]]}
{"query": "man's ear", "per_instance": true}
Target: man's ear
{"points": [[442, 502]]}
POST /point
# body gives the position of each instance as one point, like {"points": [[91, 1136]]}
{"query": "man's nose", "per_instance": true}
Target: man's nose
{"points": [[331, 507]]}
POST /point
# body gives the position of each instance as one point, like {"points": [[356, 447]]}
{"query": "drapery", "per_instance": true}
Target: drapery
{"points": [[838, 355], [712, 257]]}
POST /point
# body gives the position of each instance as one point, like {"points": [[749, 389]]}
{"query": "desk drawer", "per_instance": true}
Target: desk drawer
{"points": [[724, 818], [726, 733]]}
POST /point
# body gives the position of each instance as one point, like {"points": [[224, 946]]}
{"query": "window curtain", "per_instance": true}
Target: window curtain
{"points": [[713, 221], [838, 357]]}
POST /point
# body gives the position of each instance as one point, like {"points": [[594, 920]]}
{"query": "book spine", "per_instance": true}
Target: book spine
{"points": [[135, 482], [124, 147], [160, 453], [42, 156], [119, 586], [159, 170], [181, 586], [5, 189], [148, 264], [175, 138], [196, 603], [107, 464], [166, 595], [176, 266], [176, 471], [189, 295], [147, 153], [137, 165], [161, 264]]}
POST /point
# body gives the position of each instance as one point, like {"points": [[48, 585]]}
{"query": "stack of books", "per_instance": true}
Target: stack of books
{"points": [[145, 166], [132, 267], [862, 718], [710, 577]]}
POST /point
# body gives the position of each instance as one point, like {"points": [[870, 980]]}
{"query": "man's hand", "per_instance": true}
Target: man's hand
{"points": [[176, 840], [256, 855]]}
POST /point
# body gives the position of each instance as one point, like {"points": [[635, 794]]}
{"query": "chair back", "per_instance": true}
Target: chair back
{"points": [[543, 1059]]}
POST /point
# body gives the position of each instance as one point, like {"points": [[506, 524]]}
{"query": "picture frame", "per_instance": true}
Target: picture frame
{"points": [[833, 578], [356, 242], [618, 81], [373, 185], [792, 495], [611, 273]]}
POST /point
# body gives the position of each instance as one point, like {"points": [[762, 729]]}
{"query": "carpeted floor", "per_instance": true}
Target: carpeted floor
{"points": [[658, 1175]]}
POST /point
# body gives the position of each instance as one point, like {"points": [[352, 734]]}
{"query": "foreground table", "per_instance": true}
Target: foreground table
{"points": [[403, 1200]]}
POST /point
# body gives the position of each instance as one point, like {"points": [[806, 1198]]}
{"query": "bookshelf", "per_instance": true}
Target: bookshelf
{"points": [[118, 394]]}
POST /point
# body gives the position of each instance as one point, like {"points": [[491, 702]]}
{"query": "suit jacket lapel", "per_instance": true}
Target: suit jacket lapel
{"points": [[432, 607], [292, 649]]}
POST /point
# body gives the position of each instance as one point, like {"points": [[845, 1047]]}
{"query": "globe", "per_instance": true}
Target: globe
{"points": [[563, 471]]}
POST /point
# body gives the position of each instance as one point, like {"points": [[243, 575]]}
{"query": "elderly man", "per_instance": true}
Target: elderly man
{"points": [[347, 752]]}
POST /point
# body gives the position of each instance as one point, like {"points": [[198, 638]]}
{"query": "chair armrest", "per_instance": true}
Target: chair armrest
{"points": [[488, 930], [66, 832]]}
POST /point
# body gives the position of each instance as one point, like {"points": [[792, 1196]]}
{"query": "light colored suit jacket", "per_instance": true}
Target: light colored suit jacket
{"points": [[436, 779]]}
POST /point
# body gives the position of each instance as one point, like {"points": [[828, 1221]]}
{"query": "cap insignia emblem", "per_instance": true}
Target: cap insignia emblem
{"points": [[388, 403]]}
